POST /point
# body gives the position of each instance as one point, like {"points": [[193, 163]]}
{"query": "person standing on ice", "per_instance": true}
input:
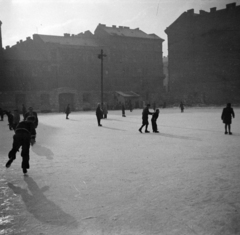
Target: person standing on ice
{"points": [[181, 107], [154, 121], [24, 136], [67, 111], [145, 122], [99, 114], [226, 117], [123, 110]]}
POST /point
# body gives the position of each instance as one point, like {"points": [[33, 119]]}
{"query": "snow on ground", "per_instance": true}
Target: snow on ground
{"points": [[86, 179]]}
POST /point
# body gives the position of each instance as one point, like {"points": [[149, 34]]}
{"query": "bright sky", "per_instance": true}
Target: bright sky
{"points": [[23, 18]]}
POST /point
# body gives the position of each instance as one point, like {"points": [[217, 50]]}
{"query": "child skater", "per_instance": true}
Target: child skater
{"points": [[24, 136], [154, 121], [227, 115]]}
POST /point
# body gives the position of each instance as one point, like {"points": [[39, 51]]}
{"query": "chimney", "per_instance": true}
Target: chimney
{"points": [[114, 26], [1, 35], [191, 11], [213, 9], [66, 35], [231, 6], [202, 12]]}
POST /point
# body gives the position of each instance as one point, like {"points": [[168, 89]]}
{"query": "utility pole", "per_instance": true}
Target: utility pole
{"points": [[100, 56]]}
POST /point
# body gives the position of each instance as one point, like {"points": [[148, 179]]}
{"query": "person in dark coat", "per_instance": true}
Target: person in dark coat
{"points": [[145, 122], [181, 107], [24, 135], [123, 110], [24, 111], [10, 119], [1, 114], [67, 111], [32, 113], [154, 121], [99, 114], [227, 115]]}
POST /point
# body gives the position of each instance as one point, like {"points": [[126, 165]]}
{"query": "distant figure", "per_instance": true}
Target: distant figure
{"points": [[105, 110], [16, 119], [32, 113], [1, 114], [24, 111], [154, 121], [99, 114], [10, 119], [67, 111], [145, 122], [130, 106], [181, 107], [227, 115], [123, 110], [22, 138]]}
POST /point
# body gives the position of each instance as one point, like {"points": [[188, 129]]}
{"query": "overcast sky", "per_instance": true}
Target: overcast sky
{"points": [[23, 18]]}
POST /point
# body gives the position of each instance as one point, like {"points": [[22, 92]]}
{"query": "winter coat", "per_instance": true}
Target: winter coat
{"points": [[227, 115]]}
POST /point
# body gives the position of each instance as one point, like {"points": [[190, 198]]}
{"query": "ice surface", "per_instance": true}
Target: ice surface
{"points": [[85, 179]]}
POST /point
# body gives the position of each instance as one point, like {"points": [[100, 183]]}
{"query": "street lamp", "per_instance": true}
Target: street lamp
{"points": [[100, 56]]}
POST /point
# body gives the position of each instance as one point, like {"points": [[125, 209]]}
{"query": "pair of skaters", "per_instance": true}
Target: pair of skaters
{"points": [[25, 135], [145, 122]]}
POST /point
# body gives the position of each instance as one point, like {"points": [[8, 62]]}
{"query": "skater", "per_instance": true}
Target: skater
{"points": [[32, 113], [226, 117], [99, 114], [16, 119], [123, 110], [181, 107], [105, 110], [10, 119], [154, 121], [1, 114], [145, 122], [24, 136], [67, 111], [24, 111]]}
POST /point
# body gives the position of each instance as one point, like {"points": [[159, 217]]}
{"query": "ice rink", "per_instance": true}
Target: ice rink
{"points": [[112, 180]]}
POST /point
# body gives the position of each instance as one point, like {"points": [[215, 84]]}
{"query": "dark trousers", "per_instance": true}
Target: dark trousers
{"points": [[21, 140], [154, 125], [99, 119]]}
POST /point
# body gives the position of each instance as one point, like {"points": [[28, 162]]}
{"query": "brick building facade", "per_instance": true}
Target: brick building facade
{"points": [[47, 72], [204, 56]]}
